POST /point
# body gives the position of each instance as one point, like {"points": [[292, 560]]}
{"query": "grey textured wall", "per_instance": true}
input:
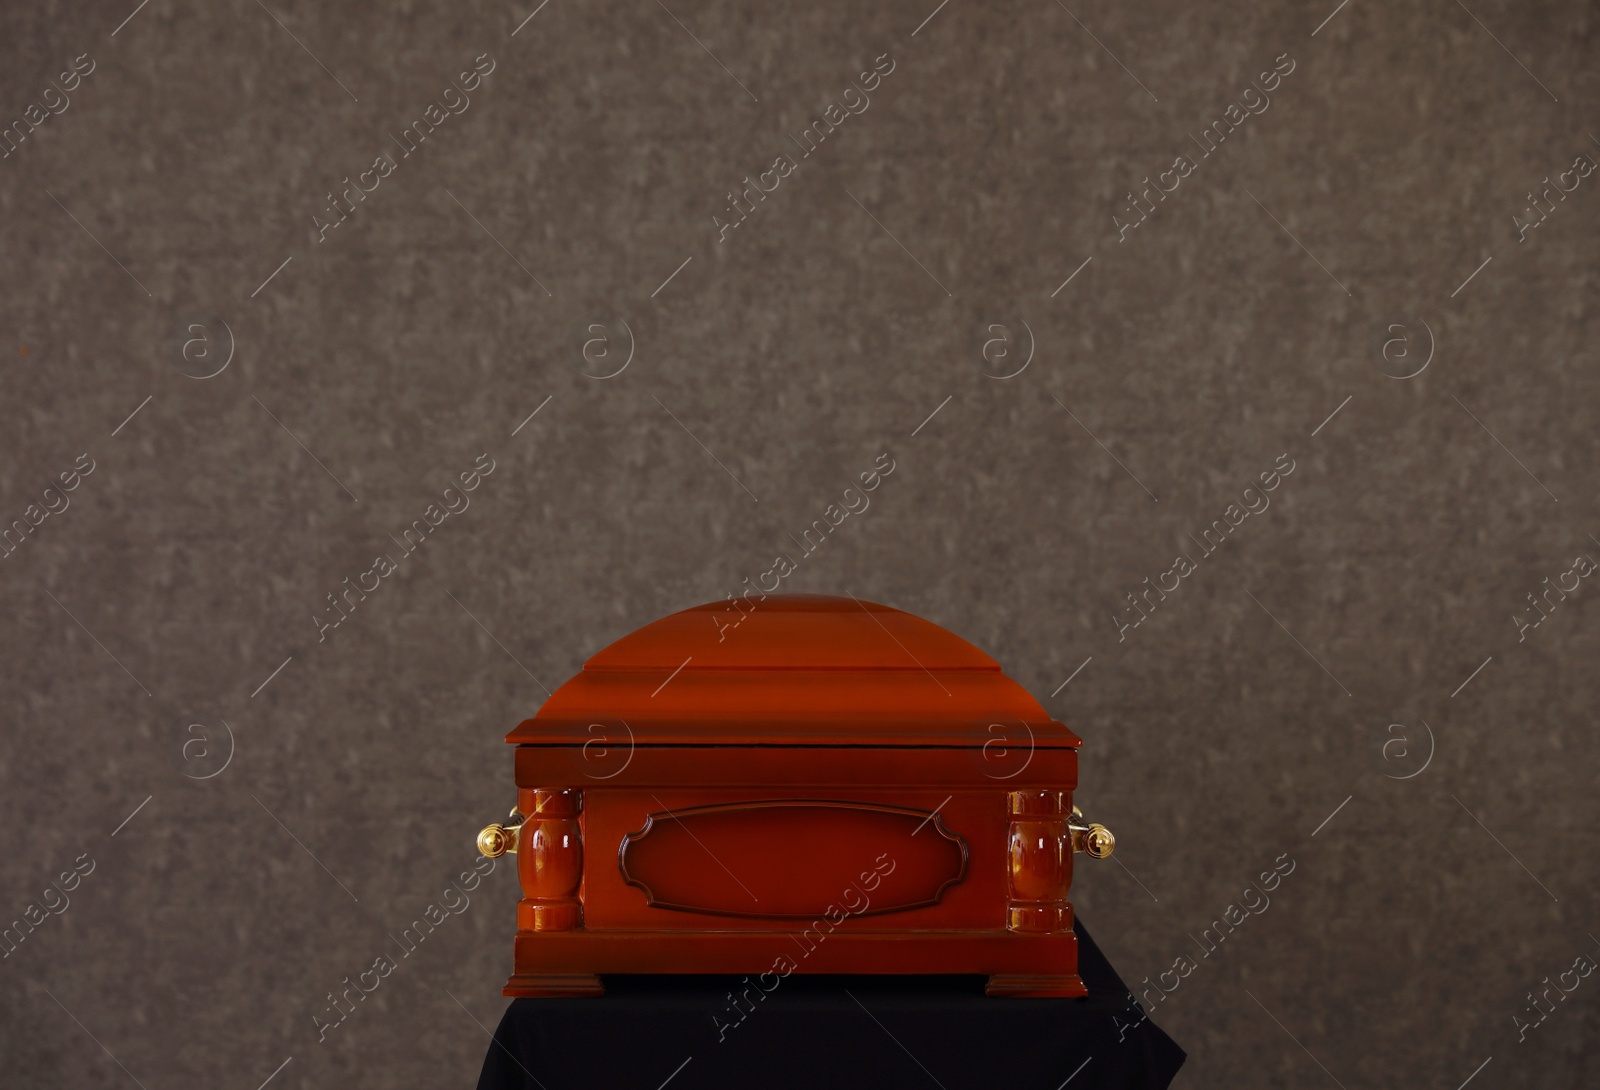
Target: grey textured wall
{"points": [[1326, 245]]}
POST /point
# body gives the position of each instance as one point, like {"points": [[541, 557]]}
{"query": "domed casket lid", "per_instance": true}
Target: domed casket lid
{"points": [[794, 670]]}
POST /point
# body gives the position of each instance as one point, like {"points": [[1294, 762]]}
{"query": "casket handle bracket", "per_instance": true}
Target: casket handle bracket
{"points": [[499, 839], [1090, 837]]}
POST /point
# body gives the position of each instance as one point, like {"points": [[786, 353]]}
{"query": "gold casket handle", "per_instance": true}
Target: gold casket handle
{"points": [[497, 839], [1090, 837]]}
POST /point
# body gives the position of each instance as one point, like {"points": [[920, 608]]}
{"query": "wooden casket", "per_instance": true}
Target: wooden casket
{"points": [[794, 784]]}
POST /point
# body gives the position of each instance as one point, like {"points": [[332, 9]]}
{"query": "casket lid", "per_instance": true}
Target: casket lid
{"points": [[794, 670]]}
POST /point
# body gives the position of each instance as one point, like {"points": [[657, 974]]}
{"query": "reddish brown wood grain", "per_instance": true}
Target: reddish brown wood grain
{"points": [[789, 863], [829, 786]]}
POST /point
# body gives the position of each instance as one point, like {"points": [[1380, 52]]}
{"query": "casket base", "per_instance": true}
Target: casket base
{"points": [[1035, 986], [1018, 965], [527, 985]]}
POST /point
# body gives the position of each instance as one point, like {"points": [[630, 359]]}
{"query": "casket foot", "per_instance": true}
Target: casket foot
{"points": [[526, 985], [1029, 985]]}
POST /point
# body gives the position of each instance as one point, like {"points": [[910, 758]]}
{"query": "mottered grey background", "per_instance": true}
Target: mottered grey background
{"points": [[1384, 275]]}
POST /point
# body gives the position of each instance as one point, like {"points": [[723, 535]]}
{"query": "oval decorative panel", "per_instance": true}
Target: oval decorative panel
{"points": [[800, 859]]}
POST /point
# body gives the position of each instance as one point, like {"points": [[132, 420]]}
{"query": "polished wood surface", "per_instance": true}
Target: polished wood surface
{"points": [[797, 670], [825, 786], [675, 858], [550, 861]]}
